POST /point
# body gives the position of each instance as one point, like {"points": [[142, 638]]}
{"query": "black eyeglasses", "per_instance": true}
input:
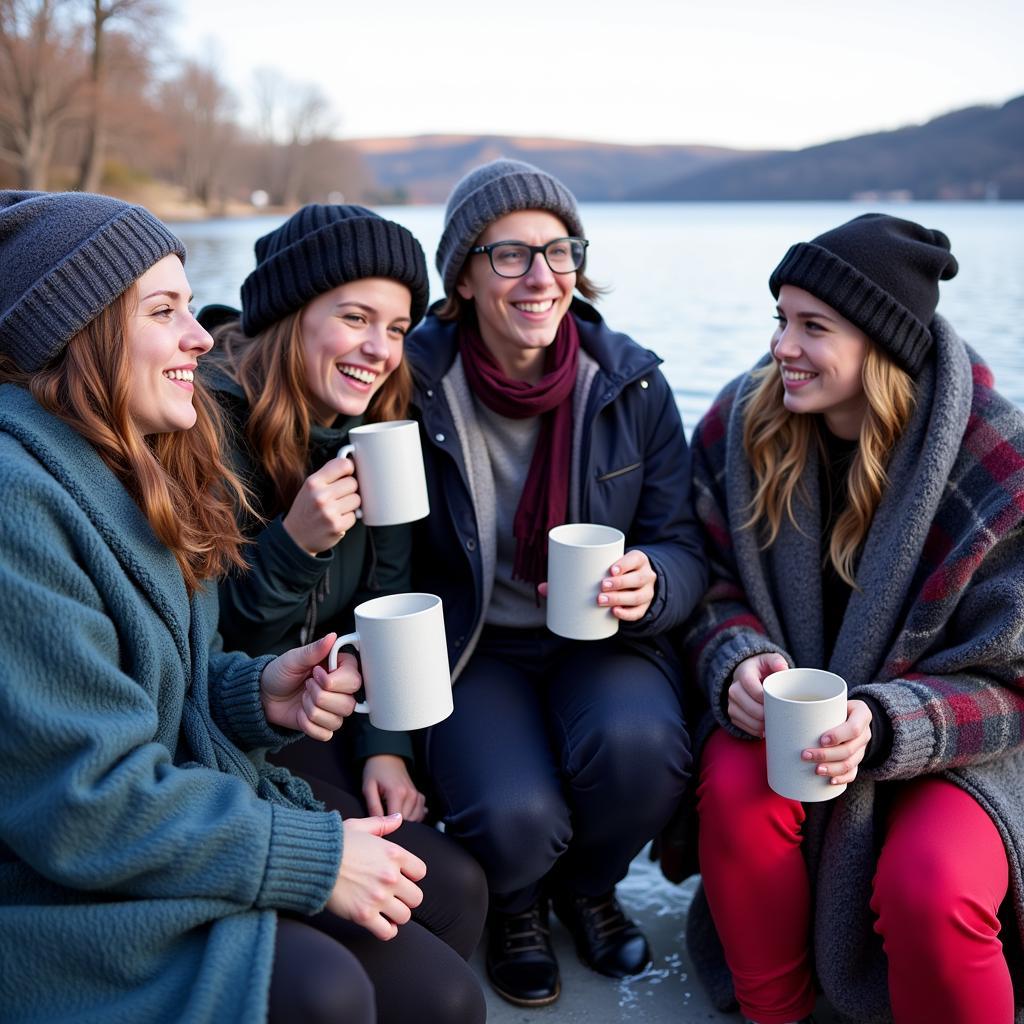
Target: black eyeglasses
{"points": [[514, 259]]}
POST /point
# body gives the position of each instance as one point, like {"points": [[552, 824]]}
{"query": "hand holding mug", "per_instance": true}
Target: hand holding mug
{"points": [[746, 693], [388, 459], [842, 748], [376, 884], [580, 561], [324, 510], [804, 707], [628, 589], [403, 661], [297, 693]]}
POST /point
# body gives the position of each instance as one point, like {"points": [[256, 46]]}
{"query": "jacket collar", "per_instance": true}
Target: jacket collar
{"points": [[432, 346]]}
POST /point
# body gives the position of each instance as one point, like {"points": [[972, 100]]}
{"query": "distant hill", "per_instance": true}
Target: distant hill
{"points": [[973, 153], [423, 169]]}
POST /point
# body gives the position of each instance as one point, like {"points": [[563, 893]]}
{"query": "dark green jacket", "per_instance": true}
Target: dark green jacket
{"points": [[289, 597]]}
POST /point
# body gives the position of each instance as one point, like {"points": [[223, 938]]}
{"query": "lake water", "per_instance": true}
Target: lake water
{"points": [[690, 280]]}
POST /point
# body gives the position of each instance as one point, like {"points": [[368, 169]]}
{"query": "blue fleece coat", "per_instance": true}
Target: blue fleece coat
{"points": [[144, 844], [630, 470]]}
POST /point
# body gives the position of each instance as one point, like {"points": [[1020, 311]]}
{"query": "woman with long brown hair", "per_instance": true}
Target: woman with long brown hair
{"points": [[153, 866], [860, 492], [316, 350]]}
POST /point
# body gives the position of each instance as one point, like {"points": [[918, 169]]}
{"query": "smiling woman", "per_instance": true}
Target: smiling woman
{"points": [[165, 342], [869, 458], [315, 351], [137, 803]]}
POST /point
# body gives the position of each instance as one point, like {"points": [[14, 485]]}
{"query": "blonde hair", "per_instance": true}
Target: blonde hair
{"points": [[777, 443], [179, 479], [271, 371]]}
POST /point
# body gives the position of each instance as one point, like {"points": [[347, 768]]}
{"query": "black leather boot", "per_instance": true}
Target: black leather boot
{"points": [[521, 964], [607, 941]]}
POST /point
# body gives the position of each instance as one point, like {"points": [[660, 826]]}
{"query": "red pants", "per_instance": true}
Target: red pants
{"points": [[941, 877]]}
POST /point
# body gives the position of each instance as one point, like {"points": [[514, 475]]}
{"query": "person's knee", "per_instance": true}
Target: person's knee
{"points": [[465, 878], [733, 775], [735, 803], [328, 998], [327, 1003], [633, 753], [457, 912], [459, 1001], [519, 837], [923, 895]]}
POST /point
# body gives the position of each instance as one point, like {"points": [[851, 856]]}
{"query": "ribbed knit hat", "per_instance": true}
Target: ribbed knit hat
{"points": [[879, 272], [65, 257], [320, 247], [492, 191]]}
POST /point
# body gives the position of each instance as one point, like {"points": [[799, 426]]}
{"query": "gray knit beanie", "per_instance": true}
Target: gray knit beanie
{"points": [[492, 191], [882, 274], [65, 257], [322, 246]]}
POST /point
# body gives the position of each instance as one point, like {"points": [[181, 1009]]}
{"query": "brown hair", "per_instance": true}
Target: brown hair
{"points": [[271, 370], [455, 307], [777, 443], [178, 479]]}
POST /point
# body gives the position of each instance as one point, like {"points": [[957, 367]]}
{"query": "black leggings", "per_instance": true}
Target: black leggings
{"points": [[329, 969]]}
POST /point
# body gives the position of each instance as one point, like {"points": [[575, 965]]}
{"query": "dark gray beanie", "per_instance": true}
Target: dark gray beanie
{"points": [[320, 247], [879, 272], [65, 257], [492, 191]]}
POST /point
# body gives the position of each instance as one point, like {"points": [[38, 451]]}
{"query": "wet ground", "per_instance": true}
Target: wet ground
{"points": [[666, 992]]}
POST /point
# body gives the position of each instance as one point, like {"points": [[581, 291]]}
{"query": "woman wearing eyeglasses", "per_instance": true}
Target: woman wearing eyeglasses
{"points": [[562, 758]]}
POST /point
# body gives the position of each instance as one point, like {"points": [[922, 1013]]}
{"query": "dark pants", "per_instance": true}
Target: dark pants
{"points": [[561, 759], [329, 969]]}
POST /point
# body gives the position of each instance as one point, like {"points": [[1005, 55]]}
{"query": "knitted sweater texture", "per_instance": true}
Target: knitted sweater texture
{"points": [[144, 844], [934, 633]]}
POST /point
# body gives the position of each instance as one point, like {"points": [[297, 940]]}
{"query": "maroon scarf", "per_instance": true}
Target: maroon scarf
{"points": [[545, 499]]}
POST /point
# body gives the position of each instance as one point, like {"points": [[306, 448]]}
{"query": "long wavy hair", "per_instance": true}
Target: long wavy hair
{"points": [[777, 443], [271, 370], [179, 479]]}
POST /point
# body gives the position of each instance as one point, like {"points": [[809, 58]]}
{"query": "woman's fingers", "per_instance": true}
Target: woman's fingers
{"points": [[745, 710]]}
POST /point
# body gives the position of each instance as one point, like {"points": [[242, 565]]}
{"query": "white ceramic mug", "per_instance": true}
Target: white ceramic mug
{"points": [[579, 557], [800, 704], [389, 467], [403, 659]]}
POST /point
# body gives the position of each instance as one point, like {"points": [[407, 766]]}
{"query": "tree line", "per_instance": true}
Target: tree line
{"points": [[90, 101]]}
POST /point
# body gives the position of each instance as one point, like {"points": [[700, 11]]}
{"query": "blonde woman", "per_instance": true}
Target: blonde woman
{"points": [[860, 492]]}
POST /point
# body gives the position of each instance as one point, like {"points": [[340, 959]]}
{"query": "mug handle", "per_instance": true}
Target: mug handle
{"points": [[332, 663], [345, 452]]}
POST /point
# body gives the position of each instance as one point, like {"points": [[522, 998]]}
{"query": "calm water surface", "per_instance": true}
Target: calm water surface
{"points": [[690, 280]]}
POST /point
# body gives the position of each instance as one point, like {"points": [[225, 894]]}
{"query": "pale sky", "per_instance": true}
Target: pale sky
{"points": [[751, 73]]}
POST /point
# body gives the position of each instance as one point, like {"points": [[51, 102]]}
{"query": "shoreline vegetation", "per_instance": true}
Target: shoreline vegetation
{"points": [[86, 105]]}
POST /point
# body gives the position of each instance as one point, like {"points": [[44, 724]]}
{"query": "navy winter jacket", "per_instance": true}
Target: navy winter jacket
{"points": [[633, 471]]}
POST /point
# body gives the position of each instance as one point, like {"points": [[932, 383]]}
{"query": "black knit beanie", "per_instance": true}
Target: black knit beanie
{"points": [[65, 257], [320, 247], [879, 272]]}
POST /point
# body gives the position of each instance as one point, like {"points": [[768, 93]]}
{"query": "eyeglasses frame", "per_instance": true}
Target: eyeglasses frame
{"points": [[533, 250]]}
